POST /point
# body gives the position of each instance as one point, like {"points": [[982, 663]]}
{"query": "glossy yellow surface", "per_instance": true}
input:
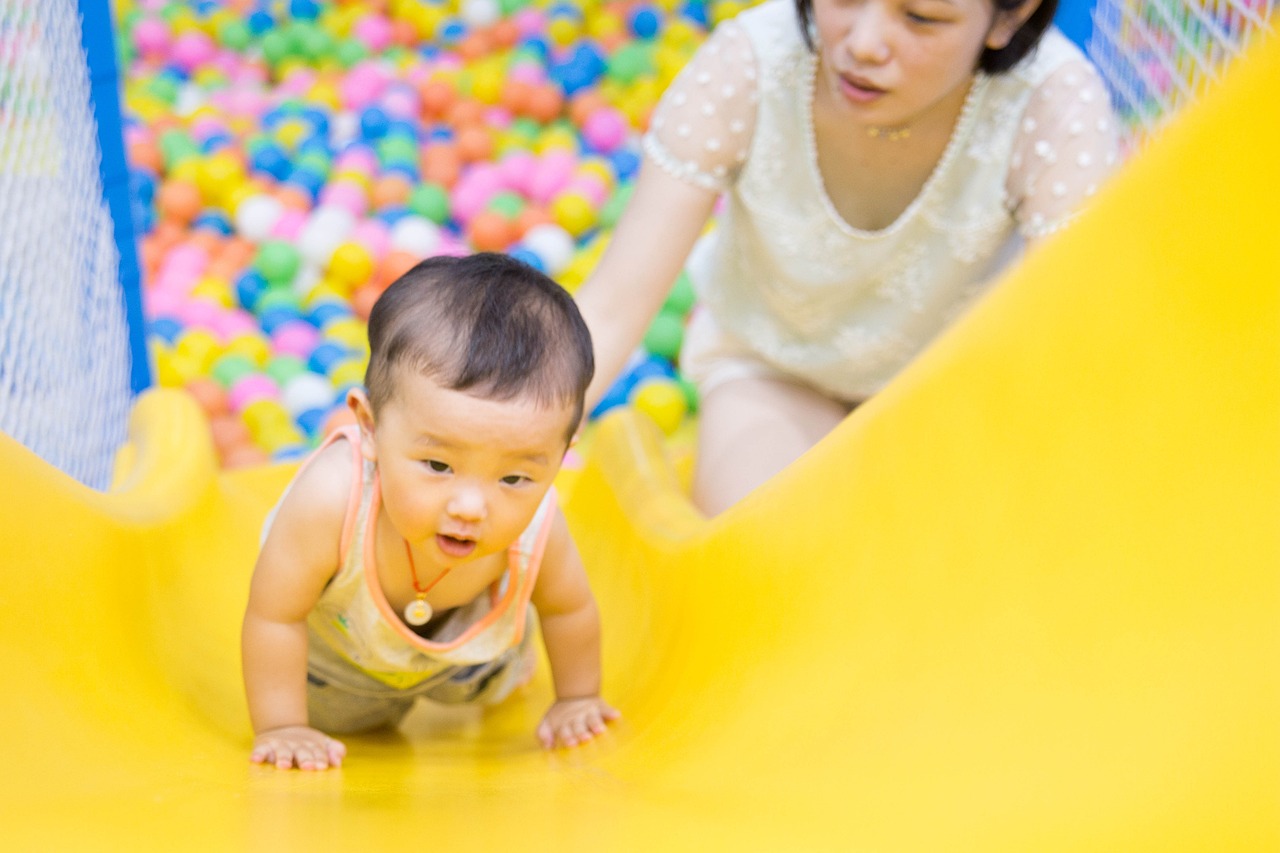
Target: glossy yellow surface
{"points": [[1025, 600]]}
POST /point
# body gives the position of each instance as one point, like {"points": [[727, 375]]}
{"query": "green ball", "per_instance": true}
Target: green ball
{"points": [[349, 51], [690, 393], [665, 335], [235, 35], [508, 204], [276, 47], [432, 201], [230, 368], [176, 146], [282, 368], [313, 42], [630, 62], [612, 210], [397, 148], [278, 261], [681, 298], [316, 161], [278, 296], [163, 88]]}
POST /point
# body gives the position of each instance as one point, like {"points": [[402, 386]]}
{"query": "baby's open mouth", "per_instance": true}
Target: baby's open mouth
{"points": [[455, 546]]}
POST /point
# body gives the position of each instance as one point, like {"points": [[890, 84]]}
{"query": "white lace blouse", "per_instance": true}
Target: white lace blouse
{"points": [[843, 308]]}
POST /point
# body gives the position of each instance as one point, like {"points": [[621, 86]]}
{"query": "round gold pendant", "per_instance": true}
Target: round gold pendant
{"points": [[417, 612]]}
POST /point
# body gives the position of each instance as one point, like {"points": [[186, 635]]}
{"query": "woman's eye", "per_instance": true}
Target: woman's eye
{"points": [[438, 466]]}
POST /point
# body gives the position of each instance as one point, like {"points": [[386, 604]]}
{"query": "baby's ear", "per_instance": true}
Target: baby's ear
{"points": [[358, 403]]}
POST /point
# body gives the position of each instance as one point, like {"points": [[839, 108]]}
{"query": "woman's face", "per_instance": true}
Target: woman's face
{"points": [[892, 63]]}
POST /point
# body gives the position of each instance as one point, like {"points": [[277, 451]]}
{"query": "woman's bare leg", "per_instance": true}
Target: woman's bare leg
{"points": [[750, 429]]}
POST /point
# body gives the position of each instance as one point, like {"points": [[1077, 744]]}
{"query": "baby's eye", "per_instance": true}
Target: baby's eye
{"points": [[438, 466], [514, 479]]}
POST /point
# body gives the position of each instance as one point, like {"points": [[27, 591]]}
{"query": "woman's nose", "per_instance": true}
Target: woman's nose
{"points": [[866, 39]]}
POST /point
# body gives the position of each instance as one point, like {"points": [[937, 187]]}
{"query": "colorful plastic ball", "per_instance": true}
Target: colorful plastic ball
{"points": [[489, 231], [430, 201], [665, 335], [417, 235], [663, 400], [605, 130], [680, 299], [553, 244], [645, 21], [295, 337], [256, 216], [312, 421], [277, 261], [306, 391], [527, 256], [325, 356], [351, 264], [349, 373], [230, 368], [282, 368], [573, 212], [480, 13], [166, 328], [323, 232], [263, 414], [325, 311]]}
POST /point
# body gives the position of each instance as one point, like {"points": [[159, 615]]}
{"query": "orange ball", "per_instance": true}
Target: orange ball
{"points": [[505, 33], [395, 264], [583, 104], [545, 103], [529, 218], [244, 456], [390, 191], [146, 153], [515, 96], [466, 112], [362, 300], [474, 45], [180, 201], [441, 164], [438, 98], [474, 143], [228, 431], [293, 198], [211, 396], [337, 419], [490, 231]]}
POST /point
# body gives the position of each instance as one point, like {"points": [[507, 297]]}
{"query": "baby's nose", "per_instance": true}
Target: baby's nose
{"points": [[467, 503]]}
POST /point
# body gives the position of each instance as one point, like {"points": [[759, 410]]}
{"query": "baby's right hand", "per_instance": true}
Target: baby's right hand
{"points": [[301, 746]]}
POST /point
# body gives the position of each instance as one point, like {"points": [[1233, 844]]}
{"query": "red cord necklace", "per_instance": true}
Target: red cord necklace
{"points": [[418, 612]]}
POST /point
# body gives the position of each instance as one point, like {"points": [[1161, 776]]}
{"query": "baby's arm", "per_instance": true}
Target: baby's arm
{"points": [[298, 558], [571, 632]]}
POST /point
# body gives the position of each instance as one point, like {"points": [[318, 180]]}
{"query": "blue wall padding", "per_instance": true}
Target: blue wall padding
{"points": [[98, 37]]}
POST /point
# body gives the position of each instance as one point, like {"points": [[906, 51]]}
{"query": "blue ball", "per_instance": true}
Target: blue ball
{"points": [[260, 21], [312, 420], [249, 287], [290, 452], [389, 216], [625, 163], [276, 316], [404, 168], [528, 256], [305, 10], [373, 123], [451, 31], [326, 311], [213, 220], [324, 357], [645, 22], [164, 327], [271, 159], [696, 12], [216, 142], [309, 179]]}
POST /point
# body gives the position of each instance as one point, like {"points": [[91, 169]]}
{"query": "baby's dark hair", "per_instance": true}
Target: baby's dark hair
{"points": [[991, 61], [488, 324]]}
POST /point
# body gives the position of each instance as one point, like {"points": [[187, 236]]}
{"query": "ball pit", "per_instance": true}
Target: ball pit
{"points": [[289, 159]]}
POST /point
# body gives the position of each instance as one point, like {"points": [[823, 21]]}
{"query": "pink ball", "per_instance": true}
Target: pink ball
{"points": [[374, 31], [516, 169], [192, 50], [527, 72], [374, 235], [530, 22], [605, 130], [185, 260], [250, 387], [553, 172], [198, 313], [590, 187], [473, 192], [363, 85], [498, 118], [401, 101], [289, 225], [295, 337], [229, 324], [362, 158], [163, 301], [151, 37], [347, 195]]}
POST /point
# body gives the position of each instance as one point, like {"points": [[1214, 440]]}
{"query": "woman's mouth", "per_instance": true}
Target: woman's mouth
{"points": [[455, 546], [858, 90]]}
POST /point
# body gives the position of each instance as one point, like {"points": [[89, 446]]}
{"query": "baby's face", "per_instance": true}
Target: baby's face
{"points": [[462, 476]]}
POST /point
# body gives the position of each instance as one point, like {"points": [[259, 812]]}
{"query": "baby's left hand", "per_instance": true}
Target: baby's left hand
{"points": [[570, 722]]}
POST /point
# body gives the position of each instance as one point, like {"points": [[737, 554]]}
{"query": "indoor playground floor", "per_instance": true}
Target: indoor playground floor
{"points": [[1026, 599]]}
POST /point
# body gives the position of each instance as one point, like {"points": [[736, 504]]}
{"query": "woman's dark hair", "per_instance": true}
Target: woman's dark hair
{"points": [[485, 323], [991, 61]]}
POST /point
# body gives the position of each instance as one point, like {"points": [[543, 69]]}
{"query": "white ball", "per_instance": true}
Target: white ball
{"points": [[324, 230], [306, 391], [307, 278], [480, 13], [256, 216], [417, 235], [552, 244]]}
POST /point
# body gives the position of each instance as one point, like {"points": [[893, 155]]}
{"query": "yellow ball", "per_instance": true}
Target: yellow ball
{"points": [[563, 30], [349, 372], [292, 131], [200, 346], [723, 10], [325, 92], [574, 213], [251, 345], [558, 137], [353, 176], [350, 332], [326, 288], [350, 265], [219, 174], [605, 25], [663, 401], [273, 437], [215, 289], [263, 415]]}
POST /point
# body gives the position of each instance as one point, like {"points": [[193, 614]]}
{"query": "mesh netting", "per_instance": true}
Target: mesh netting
{"points": [[1157, 55], [64, 381]]}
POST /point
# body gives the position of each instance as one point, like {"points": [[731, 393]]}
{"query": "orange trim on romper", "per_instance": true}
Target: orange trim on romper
{"points": [[384, 606]]}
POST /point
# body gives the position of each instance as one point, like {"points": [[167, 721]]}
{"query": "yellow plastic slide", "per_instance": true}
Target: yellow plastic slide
{"points": [[1028, 599]]}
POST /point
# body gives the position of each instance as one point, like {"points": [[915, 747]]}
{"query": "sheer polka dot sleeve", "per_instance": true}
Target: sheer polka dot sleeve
{"points": [[702, 127], [1066, 147]]}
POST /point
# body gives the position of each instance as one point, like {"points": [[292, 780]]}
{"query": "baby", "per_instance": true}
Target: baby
{"points": [[409, 554]]}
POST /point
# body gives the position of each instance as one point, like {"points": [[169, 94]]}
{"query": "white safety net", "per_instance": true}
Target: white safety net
{"points": [[64, 359]]}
